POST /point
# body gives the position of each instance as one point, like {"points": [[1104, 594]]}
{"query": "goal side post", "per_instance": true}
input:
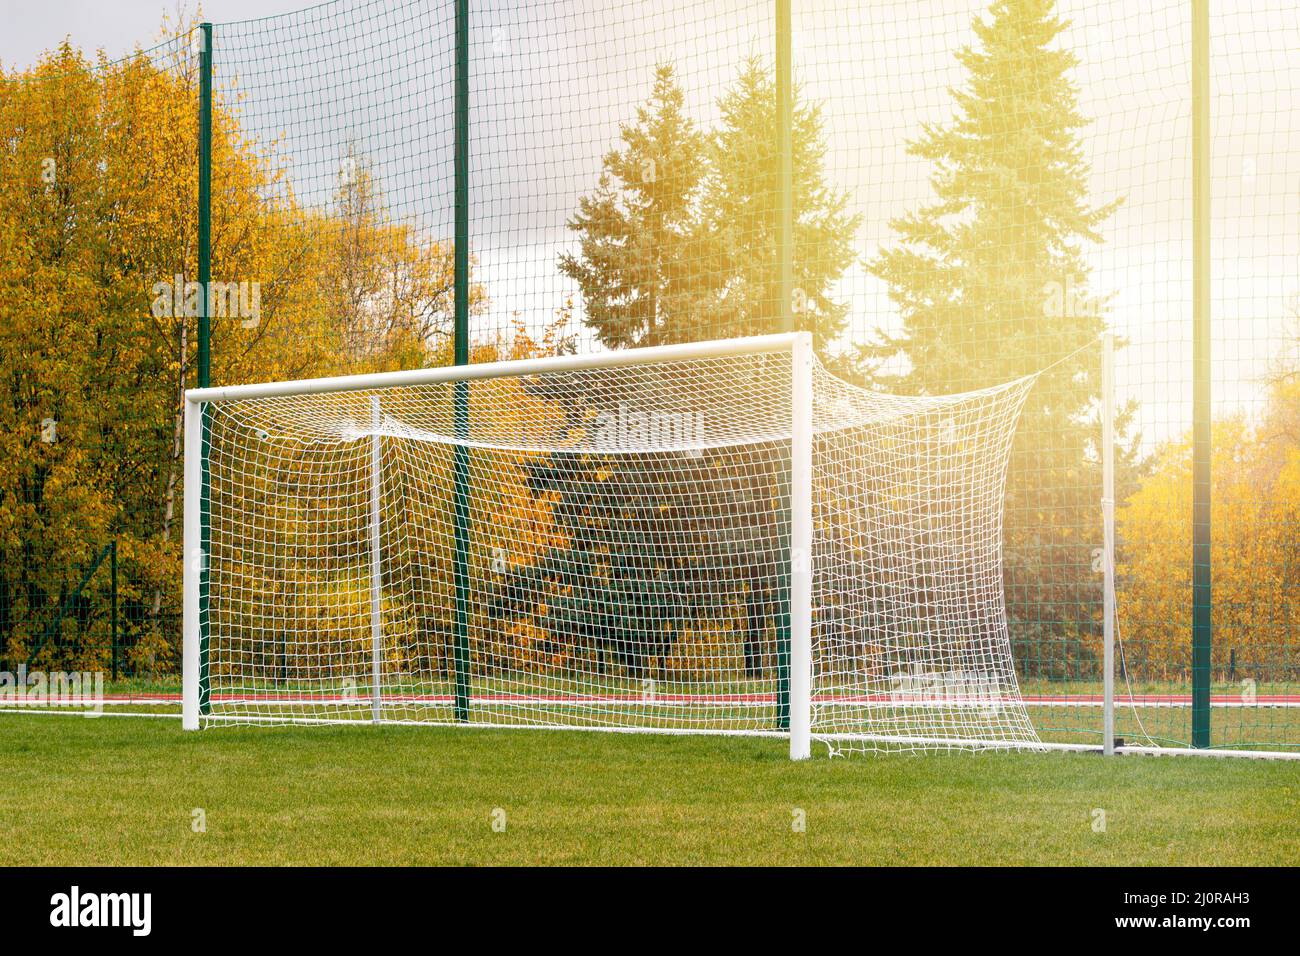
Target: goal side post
{"points": [[801, 432], [1108, 539], [376, 564], [193, 564]]}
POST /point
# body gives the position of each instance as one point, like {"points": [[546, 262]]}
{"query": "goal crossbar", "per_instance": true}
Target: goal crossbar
{"points": [[753, 345]]}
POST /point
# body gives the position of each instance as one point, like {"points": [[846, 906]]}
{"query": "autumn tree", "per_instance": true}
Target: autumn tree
{"points": [[1255, 477], [1255, 551], [98, 200], [52, 311]]}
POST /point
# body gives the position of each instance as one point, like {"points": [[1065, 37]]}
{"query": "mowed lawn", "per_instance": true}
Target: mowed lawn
{"points": [[114, 791]]}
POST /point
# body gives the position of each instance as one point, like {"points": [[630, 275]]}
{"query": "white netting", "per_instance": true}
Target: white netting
{"points": [[626, 556]]}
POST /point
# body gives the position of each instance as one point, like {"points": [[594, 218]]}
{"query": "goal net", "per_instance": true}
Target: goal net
{"points": [[716, 538]]}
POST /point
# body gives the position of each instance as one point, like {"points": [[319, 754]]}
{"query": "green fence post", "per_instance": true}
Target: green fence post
{"points": [[204, 345], [112, 596], [205, 203], [460, 468], [1201, 410], [785, 314]]}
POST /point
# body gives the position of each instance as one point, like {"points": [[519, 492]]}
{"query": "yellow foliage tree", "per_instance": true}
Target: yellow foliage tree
{"points": [[1256, 525], [98, 219]]}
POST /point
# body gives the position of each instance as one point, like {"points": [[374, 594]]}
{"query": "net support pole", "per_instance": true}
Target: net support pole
{"points": [[376, 568], [785, 166], [112, 624], [801, 548], [1108, 538], [199, 553], [1201, 410], [193, 563], [460, 391], [205, 204], [783, 273]]}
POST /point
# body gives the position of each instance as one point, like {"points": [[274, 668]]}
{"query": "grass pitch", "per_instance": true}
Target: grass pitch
{"points": [[115, 791]]}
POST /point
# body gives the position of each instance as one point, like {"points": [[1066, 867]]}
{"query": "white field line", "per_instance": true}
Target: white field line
{"points": [[888, 741], [885, 740], [678, 700]]}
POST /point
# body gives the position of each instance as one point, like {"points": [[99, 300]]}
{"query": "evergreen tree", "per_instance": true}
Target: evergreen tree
{"points": [[678, 243], [991, 283], [636, 265], [738, 218]]}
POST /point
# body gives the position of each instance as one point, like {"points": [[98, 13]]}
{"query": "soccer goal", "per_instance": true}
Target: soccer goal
{"points": [[711, 538]]}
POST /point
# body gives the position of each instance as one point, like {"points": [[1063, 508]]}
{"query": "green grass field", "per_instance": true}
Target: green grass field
{"points": [[113, 791]]}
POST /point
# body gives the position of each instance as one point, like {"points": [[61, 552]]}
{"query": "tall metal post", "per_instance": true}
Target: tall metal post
{"points": [[112, 597], [1108, 538], [205, 203], [785, 318], [784, 276], [204, 354], [785, 167], [460, 390], [1201, 411]]}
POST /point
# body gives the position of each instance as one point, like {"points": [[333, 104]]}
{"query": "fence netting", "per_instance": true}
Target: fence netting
{"points": [[980, 190]]}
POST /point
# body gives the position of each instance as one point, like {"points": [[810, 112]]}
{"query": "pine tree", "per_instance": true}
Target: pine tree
{"points": [[678, 244], [635, 263], [991, 283], [738, 218], [678, 240], [739, 212]]}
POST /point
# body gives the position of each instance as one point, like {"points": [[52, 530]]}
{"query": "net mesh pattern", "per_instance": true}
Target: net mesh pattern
{"points": [[627, 555]]}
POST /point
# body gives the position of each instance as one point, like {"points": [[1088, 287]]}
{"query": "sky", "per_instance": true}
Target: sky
{"points": [[553, 80], [116, 26]]}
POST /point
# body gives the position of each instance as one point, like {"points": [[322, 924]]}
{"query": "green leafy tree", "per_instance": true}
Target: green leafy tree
{"points": [[991, 283]]}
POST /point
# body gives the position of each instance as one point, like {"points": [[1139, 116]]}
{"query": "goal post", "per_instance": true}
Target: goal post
{"points": [[715, 537], [376, 566], [1108, 541], [192, 561], [801, 540]]}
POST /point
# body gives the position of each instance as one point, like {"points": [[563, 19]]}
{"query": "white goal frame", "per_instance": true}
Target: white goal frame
{"points": [[797, 344], [799, 574]]}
